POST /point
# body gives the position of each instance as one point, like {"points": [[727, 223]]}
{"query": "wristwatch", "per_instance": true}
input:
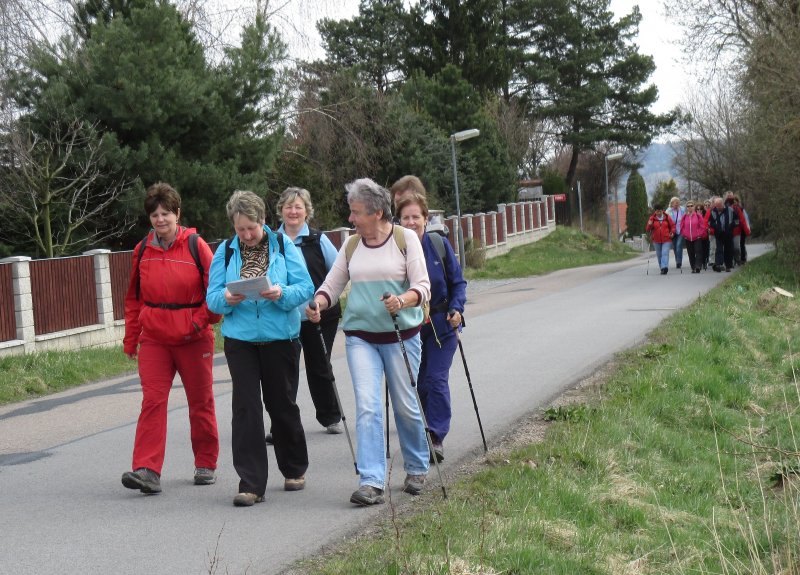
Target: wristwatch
{"points": [[402, 302]]}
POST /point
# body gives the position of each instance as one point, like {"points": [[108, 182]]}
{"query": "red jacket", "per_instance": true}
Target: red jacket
{"points": [[694, 227], [661, 230], [742, 227], [167, 277]]}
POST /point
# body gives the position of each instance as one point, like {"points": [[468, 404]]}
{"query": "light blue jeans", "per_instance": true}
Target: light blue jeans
{"points": [[662, 253], [368, 362], [677, 247]]}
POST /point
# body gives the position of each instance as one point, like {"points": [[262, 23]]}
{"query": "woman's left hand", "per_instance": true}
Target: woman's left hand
{"points": [[454, 319], [273, 294]]}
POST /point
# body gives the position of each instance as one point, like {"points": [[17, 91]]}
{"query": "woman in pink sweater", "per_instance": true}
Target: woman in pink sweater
{"points": [[694, 229]]}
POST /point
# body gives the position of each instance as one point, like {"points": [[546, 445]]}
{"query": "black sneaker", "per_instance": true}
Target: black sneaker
{"points": [[367, 495], [204, 476], [143, 479]]}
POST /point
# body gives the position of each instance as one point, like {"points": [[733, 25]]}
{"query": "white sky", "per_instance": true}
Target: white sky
{"points": [[656, 38]]}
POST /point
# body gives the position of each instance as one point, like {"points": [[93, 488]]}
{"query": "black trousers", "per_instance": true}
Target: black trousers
{"points": [[724, 249], [706, 250], [742, 247], [318, 370], [265, 372], [695, 251]]}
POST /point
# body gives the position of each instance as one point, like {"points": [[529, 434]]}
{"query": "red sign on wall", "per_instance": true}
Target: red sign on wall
{"points": [[560, 197]]}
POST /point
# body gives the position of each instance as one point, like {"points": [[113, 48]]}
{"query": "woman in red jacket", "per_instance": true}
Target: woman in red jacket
{"points": [[661, 229], [168, 329], [695, 229]]}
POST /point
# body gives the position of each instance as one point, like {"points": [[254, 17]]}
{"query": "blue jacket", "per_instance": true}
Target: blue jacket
{"points": [[261, 320], [448, 291]]}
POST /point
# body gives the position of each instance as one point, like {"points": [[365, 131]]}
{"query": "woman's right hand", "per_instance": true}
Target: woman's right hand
{"points": [[233, 300], [314, 311]]}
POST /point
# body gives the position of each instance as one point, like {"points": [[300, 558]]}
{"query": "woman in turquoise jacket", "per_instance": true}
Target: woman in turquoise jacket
{"points": [[261, 345]]}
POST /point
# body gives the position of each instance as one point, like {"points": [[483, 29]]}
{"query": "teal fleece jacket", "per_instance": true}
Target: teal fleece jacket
{"points": [[261, 320]]}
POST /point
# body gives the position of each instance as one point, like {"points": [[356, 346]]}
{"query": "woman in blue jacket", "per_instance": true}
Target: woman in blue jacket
{"points": [[261, 345], [439, 334]]}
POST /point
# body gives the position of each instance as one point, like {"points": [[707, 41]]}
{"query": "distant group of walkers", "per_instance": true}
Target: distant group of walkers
{"points": [[404, 312], [692, 226]]}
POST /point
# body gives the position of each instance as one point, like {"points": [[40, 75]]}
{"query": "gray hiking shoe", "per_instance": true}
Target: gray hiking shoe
{"points": [[335, 428], [143, 479], [204, 476], [413, 484], [367, 495], [294, 484], [247, 499]]}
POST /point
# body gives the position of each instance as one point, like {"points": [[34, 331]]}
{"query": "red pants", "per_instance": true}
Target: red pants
{"points": [[157, 366]]}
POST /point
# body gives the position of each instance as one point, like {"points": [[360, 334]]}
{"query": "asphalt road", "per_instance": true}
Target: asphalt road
{"points": [[63, 509]]}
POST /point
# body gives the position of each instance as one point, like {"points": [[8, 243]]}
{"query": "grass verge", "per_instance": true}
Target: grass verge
{"points": [[563, 248], [37, 374], [684, 460]]}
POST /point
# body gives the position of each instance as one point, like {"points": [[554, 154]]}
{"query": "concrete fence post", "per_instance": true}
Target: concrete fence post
{"points": [[23, 300], [102, 280]]}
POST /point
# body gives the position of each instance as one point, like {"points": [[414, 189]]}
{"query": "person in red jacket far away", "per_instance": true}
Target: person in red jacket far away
{"points": [[661, 229], [168, 330]]}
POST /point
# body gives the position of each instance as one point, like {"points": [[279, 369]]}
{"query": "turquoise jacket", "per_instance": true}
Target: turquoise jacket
{"points": [[261, 320]]}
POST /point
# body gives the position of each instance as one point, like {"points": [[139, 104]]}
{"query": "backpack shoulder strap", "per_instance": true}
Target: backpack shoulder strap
{"points": [[196, 257], [350, 246], [399, 238], [438, 244], [142, 247], [228, 251], [280, 244]]}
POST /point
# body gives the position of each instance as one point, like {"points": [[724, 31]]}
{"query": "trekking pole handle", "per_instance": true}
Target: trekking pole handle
{"points": [[387, 295], [452, 312]]}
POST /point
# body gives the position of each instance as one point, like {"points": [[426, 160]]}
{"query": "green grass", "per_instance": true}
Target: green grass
{"points": [[685, 461], [36, 374], [563, 248]]}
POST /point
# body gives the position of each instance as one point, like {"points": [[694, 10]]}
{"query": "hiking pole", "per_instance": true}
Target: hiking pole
{"points": [[386, 295], [469, 379], [313, 305], [386, 389]]}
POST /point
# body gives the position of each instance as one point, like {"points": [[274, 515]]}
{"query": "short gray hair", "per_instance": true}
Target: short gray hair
{"points": [[374, 197], [290, 195], [247, 204]]}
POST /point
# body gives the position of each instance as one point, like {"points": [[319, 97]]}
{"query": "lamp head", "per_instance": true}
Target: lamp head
{"points": [[465, 134], [615, 156]]}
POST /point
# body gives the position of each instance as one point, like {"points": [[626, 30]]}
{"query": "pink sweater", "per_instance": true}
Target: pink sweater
{"points": [[694, 227]]}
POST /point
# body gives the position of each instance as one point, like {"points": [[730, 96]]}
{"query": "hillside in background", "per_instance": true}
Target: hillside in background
{"points": [[657, 167]]}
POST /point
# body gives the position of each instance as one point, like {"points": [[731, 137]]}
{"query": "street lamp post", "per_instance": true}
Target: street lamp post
{"points": [[606, 158], [459, 137]]}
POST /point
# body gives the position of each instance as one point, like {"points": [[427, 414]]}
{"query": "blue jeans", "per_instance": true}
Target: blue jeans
{"points": [[662, 253], [677, 246], [368, 362]]}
